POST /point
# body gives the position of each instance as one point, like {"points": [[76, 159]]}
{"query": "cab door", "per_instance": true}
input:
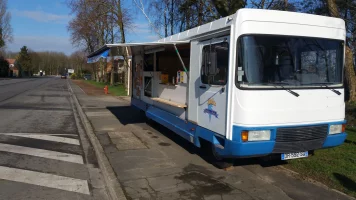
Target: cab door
{"points": [[211, 87]]}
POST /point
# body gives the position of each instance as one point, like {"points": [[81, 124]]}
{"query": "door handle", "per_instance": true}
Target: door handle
{"points": [[202, 87]]}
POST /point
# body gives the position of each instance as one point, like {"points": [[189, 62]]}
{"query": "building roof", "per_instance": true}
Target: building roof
{"points": [[11, 61]]}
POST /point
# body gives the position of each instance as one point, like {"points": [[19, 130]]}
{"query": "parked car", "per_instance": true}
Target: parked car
{"points": [[87, 76]]}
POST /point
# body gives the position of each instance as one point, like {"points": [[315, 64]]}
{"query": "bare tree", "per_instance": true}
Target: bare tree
{"points": [[78, 61], [349, 62], [177, 15], [90, 28], [5, 26], [228, 7], [98, 22], [139, 4]]}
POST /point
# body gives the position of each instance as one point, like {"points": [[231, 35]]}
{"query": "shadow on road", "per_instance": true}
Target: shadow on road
{"points": [[345, 181], [130, 115], [127, 114]]}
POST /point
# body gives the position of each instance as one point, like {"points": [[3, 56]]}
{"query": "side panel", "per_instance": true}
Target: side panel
{"points": [[194, 78]]}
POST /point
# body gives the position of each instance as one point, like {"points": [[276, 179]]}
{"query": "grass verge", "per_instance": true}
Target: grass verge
{"points": [[117, 90], [335, 167]]}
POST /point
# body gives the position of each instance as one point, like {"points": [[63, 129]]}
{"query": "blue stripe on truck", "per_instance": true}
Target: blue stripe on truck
{"points": [[232, 148]]}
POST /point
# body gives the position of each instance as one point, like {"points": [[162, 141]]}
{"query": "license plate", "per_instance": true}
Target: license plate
{"points": [[287, 156]]}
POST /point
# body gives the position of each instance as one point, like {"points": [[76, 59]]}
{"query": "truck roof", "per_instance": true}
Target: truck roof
{"points": [[261, 15]]}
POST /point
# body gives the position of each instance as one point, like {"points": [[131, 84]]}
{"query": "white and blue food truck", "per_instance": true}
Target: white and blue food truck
{"points": [[256, 83]]}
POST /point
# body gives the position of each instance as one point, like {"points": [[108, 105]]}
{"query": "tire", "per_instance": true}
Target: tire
{"points": [[219, 162]]}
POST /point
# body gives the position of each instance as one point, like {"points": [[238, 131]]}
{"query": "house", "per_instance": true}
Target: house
{"points": [[118, 70], [13, 68]]}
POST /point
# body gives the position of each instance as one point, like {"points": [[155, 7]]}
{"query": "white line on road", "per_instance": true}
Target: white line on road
{"points": [[98, 114], [45, 137], [82, 90], [42, 153], [43, 179]]}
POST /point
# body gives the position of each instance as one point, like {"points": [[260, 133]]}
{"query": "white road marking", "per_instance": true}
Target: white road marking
{"points": [[45, 180], [82, 90], [46, 137], [42, 153], [98, 114]]}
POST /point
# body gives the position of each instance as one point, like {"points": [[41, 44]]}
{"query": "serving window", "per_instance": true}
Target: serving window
{"points": [[168, 62]]}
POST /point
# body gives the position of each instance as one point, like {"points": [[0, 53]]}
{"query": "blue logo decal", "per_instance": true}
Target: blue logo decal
{"points": [[210, 111]]}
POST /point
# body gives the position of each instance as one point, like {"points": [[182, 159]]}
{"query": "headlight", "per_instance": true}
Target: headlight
{"points": [[250, 136], [336, 128]]}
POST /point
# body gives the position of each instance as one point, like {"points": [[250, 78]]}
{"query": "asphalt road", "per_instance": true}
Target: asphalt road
{"points": [[43, 151]]}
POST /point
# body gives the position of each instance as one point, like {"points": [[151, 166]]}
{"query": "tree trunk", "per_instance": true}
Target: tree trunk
{"points": [[172, 15], [187, 18], [200, 12], [120, 21], [122, 31], [165, 23], [93, 72], [262, 4], [350, 78], [105, 66], [112, 74]]}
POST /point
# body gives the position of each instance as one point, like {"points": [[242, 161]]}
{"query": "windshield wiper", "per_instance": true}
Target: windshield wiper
{"points": [[327, 87], [280, 84]]}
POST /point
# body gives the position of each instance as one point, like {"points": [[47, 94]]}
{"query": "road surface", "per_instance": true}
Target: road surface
{"points": [[43, 150]]}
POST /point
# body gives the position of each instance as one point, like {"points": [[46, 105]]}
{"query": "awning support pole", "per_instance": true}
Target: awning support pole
{"points": [[180, 58]]}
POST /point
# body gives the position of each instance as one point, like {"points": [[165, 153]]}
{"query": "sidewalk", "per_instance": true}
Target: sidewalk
{"points": [[151, 162]]}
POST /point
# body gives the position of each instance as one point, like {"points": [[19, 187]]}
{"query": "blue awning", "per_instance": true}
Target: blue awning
{"points": [[104, 51], [97, 57]]}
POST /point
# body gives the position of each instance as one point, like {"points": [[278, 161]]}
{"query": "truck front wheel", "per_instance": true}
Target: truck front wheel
{"points": [[214, 158]]}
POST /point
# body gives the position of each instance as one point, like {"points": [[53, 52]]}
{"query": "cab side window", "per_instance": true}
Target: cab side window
{"points": [[218, 55]]}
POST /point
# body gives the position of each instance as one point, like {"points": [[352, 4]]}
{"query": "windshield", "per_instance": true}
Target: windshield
{"points": [[268, 61]]}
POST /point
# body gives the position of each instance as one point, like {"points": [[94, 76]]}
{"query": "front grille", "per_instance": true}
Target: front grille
{"points": [[298, 146], [298, 139], [302, 133]]}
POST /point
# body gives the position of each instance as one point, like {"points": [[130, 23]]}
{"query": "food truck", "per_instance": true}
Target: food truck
{"points": [[256, 83]]}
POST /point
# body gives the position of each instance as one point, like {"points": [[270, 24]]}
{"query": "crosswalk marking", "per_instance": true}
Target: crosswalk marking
{"points": [[43, 179], [46, 137], [42, 153]]}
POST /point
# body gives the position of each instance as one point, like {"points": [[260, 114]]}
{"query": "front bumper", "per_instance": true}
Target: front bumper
{"points": [[237, 148], [334, 140]]}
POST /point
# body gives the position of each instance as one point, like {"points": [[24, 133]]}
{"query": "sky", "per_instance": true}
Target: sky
{"points": [[41, 25]]}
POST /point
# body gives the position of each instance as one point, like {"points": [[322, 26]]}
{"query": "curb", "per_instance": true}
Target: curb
{"points": [[122, 98], [112, 184]]}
